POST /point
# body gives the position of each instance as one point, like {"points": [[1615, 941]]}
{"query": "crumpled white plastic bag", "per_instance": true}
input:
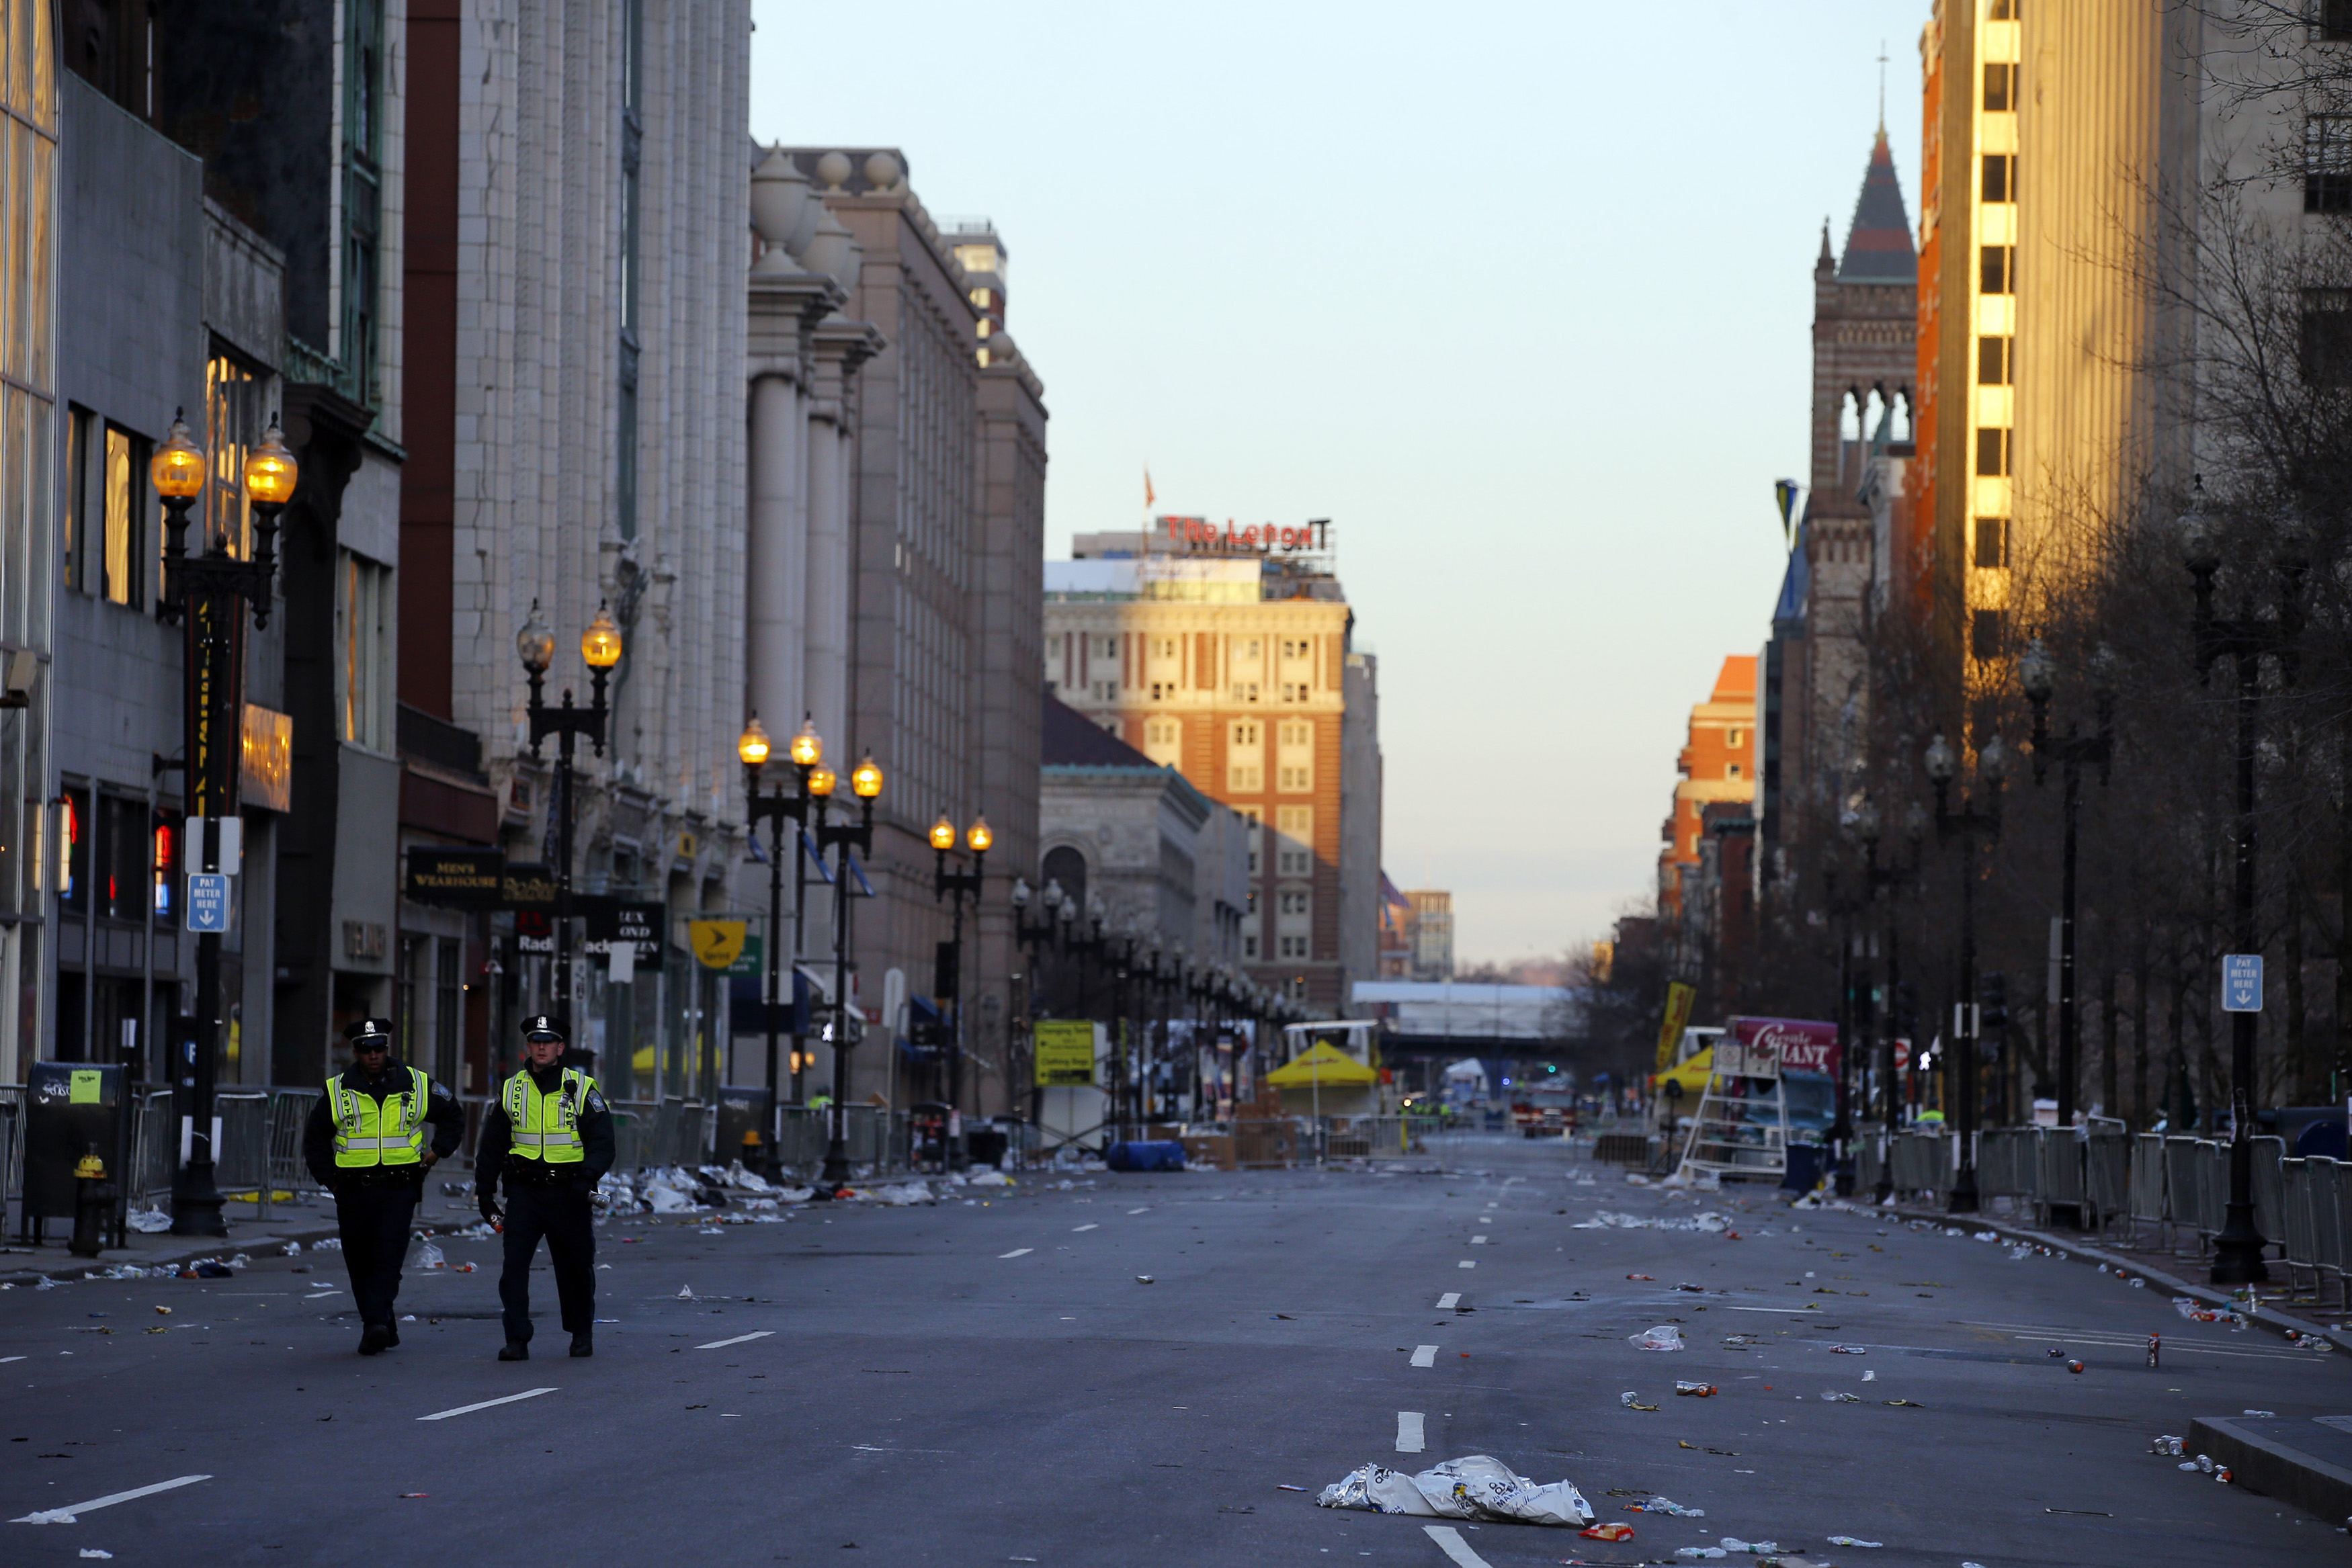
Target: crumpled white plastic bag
{"points": [[1665, 1336], [1477, 1486]]}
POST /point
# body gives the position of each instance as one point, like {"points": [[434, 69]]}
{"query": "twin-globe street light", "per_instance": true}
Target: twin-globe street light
{"points": [[208, 594], [600, 650], [947, 978], [866, 783], [806, 752]]}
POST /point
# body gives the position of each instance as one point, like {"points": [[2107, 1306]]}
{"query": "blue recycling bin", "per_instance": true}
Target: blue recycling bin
{"points": [[1804, 1167]]}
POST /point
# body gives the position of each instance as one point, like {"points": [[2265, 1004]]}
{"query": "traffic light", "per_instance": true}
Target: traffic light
{"points": [[1992, 1000]]}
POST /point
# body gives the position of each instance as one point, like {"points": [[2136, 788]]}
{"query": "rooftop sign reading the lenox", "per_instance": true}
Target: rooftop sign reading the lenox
{"points": [[1201, 534]]}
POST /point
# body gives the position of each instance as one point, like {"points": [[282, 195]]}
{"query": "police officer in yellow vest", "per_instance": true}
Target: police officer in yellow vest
{"points": [[365, 1143], [549, 1140]]}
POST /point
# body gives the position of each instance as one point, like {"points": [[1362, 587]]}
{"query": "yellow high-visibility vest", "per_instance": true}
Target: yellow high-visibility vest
{"points": [[546, 1126], [371, 1131]]}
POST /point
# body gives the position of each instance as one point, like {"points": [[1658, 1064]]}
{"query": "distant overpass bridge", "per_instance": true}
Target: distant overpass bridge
{"points": [[1449, 1020]]}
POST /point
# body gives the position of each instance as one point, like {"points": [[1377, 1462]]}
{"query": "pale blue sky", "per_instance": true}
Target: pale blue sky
{"points": [[1519, 296]]}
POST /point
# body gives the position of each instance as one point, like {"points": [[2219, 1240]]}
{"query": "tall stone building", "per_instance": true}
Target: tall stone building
{"points": [[1236, 669], [1865, 322], [945, 504], [575, 409]]}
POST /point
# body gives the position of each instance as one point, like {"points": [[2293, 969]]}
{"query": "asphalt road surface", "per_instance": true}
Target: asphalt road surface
{"points": [[989, 1382]]}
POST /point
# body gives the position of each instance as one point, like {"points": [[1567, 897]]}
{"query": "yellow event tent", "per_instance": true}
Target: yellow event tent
{"points": [[1326, 1079]]}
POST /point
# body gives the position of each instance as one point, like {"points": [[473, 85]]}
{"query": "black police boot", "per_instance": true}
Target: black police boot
{"points": [[584, 1343], [391, 1335], [374, 1338], [514, 1349]]}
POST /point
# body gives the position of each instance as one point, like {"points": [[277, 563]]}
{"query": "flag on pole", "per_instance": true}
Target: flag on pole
{"points": [[1148, 498], [1784, 495]]}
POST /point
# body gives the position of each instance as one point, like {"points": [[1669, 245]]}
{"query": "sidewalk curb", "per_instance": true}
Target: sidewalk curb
{"points": [[2268, 1316], [2272, 1468], [76, 1270]]}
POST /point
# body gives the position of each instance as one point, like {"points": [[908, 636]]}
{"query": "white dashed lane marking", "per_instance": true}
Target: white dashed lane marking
{"points": [[1479, 1240], [1145, 1209], [1017, 1252], [1409, 1439], [739, 1339], [4, 1360], [66, 1515], [1449, 1540], [1468, 1264], [1424, 1355], [485, 1404], [1081, 1229], [1449, 1300]]}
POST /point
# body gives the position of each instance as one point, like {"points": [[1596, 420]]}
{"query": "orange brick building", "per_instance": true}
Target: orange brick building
{"points": [[1717, 764], [1237, 672]]}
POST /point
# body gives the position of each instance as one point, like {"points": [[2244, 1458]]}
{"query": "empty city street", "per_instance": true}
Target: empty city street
{"points": [[993, 1380]]}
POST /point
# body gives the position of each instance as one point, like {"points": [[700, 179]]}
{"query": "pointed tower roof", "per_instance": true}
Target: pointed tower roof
{"points": [[1878, 247]]}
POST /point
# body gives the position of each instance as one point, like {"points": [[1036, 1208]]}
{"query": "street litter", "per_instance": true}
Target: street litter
{"points": [[2074, 1367], [1606, 1219], [1667, 1506], [95, 1551], [1850, 1541], [989, 1179], [1662, 1337], [1613, 1530], [430, 1256], [2166, 1445], [2187, 1307], [1835, 1398], [417, 1494], [1143, 1278], [1848, 1350], [1985, 1236], [1641, 1276], [1695, 1551], [1285, 1486], [2261, 1412], [1870, 1377], [1761, 1547], [1906, 1404], [1475, 1486], [166, 1312], [148, 1221], [1632, 1400], [1696, 1390], [686, 1293], [901, 1194]]}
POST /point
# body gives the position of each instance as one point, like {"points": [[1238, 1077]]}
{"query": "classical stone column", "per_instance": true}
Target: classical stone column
{"points": [[786, 303], [840, 348]]}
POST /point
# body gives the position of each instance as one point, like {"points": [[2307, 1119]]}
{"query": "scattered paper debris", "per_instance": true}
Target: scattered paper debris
{"points": [[1475, 1486]]}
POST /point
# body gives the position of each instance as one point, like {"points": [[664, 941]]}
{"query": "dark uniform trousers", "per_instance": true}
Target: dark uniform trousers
{"points": [[560, 1212], [372, 1217]]}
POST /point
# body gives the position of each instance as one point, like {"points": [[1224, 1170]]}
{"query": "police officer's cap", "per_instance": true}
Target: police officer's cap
{"points": [[544, 1026], [369, 1033]]}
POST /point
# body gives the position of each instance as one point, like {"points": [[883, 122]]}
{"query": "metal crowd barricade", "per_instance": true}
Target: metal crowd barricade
{"points": [[242, 1160], [2006, 1166], [1923, 1163], [2212, 1187], [2184, 1181], [1868, 1164], [2060, 1152], [2270, 1187], [154, 1147], [2146, 1186], [2298, 1243], [289, 1114], [11, 1144], [2107, 1176], [2330, 1195]]}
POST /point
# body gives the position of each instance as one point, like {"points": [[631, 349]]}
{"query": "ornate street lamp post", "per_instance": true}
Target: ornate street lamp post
{"points": [[866, 783], [776, 807], [960, 885], [209, 594], [1967, 824], [600, 649], [2245, 641]]}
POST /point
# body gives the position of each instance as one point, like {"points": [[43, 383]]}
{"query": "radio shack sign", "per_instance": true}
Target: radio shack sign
{"points": [[1201, 535]]}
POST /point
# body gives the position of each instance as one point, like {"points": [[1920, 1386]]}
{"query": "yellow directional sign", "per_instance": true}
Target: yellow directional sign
{"points": [[1066, 1052], [717, 943]]}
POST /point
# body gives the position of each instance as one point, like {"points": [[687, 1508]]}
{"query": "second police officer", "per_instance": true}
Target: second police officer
{"points": [[365, 1143], [549, 1140]]}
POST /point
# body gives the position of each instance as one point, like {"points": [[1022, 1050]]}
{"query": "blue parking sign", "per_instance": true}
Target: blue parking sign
{"points": [[2241, 983], [208, 901]]}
